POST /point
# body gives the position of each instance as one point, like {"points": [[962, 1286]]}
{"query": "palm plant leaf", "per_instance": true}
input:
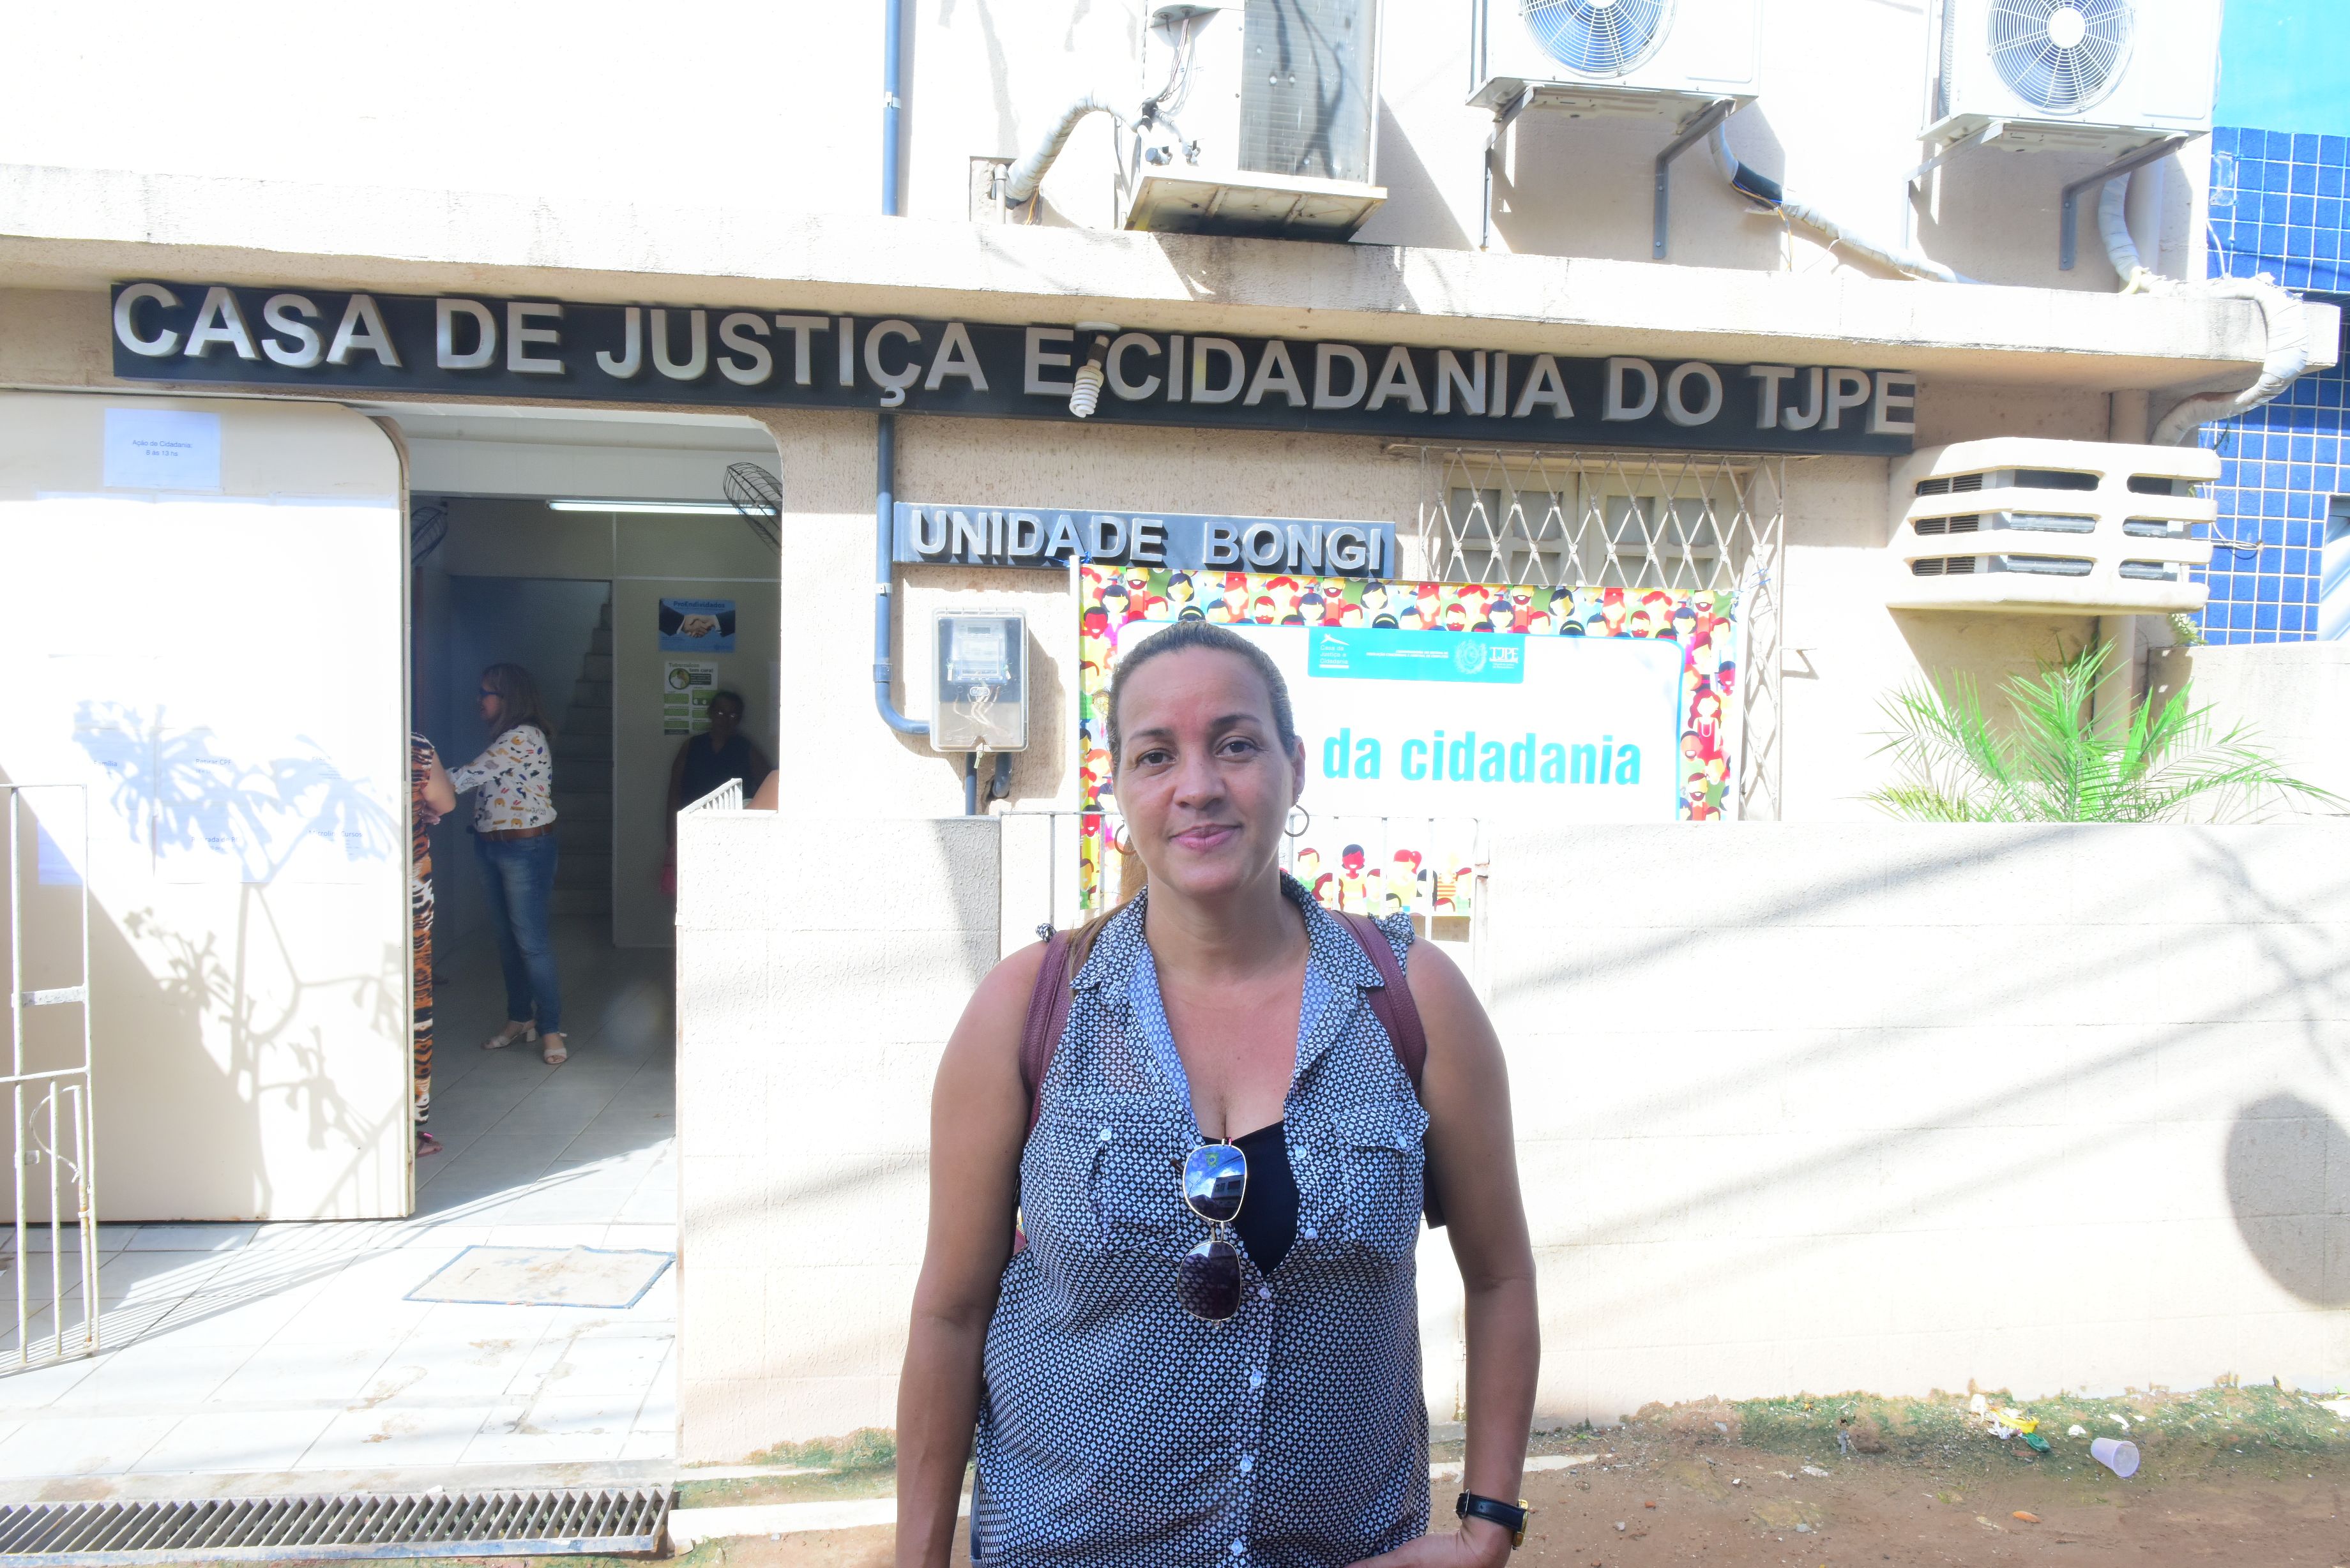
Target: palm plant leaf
{"points": [[2057, 760]]}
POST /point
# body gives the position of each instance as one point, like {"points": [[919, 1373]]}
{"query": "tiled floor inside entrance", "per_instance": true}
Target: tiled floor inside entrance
{"points": [[291, 1349]]}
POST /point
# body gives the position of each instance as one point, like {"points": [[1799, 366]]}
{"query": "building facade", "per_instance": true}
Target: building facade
{"points": [[1715, 336]]}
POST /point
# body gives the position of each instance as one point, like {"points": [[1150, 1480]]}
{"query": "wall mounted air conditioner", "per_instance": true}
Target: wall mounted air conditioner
{"points": [[1265, 118], [2106, 74], [2028, 526], [1614, 57]]}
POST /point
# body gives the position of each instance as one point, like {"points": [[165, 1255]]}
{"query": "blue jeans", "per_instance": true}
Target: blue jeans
{"points": [[518, 877]]}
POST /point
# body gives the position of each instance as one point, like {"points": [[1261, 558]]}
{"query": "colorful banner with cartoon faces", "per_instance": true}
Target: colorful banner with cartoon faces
{"points": [[1382, 864]]}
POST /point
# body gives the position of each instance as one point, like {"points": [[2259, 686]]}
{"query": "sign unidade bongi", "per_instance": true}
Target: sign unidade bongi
{"points": [[1049, 536]]}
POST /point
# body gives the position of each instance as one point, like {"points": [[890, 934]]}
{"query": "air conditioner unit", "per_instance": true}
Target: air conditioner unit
{"points": [[2030, 525], [2104, 74], [1615, 57], [1265, 118]]}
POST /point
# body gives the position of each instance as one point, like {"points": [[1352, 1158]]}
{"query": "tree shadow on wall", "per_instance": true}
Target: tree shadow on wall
{"points": [[2288, 1169], [234, 978]]}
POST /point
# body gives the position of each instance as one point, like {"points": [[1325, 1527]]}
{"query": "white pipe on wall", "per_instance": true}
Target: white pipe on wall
{"points": [[1023, 179], [1768, 191], [2288, 357]]}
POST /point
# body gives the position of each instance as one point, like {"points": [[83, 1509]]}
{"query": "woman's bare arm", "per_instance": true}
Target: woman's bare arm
{"points": [[440, 794], [1472, 1160], [979, 1121]]}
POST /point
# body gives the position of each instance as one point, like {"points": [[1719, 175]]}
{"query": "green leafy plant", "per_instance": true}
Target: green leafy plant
{"points": [[2168, 762]]}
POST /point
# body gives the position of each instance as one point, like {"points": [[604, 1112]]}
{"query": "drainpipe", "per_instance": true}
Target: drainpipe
{"points": [[885, 435]]}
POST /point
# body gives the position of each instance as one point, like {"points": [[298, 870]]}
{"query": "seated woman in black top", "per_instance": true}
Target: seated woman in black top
{"points": [[709, 760]]}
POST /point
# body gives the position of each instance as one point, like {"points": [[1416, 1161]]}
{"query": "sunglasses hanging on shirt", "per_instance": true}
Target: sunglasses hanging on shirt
{"points": [[1207, 1280]]}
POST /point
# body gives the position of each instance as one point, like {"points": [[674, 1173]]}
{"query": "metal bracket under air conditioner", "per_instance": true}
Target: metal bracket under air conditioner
{"points": [[1692, 130], [2066, 241], [2026, 135]]}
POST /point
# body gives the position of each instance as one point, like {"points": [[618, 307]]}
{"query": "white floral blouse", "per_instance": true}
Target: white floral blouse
{"points": [[515, 776]]}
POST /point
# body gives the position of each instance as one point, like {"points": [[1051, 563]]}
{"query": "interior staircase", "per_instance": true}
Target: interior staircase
{"points": [[583, 782]]}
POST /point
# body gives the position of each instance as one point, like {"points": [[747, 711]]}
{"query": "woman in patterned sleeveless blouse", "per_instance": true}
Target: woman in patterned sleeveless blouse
{"points": [[1124, 1415]]}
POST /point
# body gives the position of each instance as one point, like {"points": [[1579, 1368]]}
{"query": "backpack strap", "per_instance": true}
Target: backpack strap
{"points": [[1048, 1015], [1399, 1014]]}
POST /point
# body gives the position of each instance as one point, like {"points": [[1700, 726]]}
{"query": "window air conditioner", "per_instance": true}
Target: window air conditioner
{"points": [[1614, 57], [2030, 525], [2104, 74], [1264, 119]]}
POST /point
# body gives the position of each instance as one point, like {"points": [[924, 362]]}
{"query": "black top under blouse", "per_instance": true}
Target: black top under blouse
{"points": [[1267, 1222]]}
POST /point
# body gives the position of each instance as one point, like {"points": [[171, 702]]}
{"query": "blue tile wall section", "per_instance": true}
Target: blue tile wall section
{"points": [[2277, 207]]}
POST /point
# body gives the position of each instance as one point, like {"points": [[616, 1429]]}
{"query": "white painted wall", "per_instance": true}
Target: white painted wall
{"points": [[1877, 1107], [2291, 696], [236, 653], [705, 108]]}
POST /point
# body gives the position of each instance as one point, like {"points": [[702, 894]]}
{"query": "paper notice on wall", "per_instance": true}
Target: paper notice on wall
{"points": [[163, 449], [686, 689]]}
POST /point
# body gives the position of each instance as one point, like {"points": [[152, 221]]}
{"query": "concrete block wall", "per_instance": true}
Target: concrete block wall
{"points": [[1864, 1105], [1892, 1107], [821, 964]]}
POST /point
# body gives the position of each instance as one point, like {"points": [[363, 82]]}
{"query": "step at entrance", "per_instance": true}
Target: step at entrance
{"points": [[568, 1523]]}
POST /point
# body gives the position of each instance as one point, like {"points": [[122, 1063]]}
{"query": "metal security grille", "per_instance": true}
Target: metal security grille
{"points": [[1602, 519], [51, 1143], [309, 1529]]}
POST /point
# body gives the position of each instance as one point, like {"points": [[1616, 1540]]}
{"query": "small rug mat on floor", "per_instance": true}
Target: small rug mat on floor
{"points": [[545, 1276]]}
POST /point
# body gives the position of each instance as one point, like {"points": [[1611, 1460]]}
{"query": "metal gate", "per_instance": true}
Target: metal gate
{"points": [[1603, 520], [51, 1144]]}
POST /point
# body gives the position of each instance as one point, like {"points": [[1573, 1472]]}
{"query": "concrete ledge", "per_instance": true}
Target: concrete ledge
{"points": [[80, 229]]}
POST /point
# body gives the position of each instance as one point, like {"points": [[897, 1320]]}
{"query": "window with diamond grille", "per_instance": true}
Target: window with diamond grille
{"points": [[1630, 521]]}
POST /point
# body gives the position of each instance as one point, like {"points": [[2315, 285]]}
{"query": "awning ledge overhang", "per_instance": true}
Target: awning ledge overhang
{"points": [[80, 230]]}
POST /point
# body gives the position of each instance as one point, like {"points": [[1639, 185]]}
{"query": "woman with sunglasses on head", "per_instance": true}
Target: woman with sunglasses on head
{"points": [[1205, 1346], [513, 840]]}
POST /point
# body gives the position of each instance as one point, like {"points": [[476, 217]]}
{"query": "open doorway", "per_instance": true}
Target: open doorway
{"points": [[598, 553]]}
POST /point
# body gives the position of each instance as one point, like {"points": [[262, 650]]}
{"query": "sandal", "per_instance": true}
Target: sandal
{"points": [[426, 1144], [509, 1034], [553, 1052]]}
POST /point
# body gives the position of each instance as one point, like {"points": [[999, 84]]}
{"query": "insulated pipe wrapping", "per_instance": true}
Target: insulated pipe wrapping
{"points": [[1025, 177], [1770, 194], [2113, 224], [2288, 357]]}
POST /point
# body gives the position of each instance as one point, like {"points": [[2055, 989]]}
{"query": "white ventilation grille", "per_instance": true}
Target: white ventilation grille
{"points": [[2060, 56], [2034, 527], [1598, 37]]}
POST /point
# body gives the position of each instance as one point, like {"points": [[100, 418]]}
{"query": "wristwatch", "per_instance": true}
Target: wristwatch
{"points": [[1512, 1520]]}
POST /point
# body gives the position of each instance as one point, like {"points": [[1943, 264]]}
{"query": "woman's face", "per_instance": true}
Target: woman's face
{"points": [[489, 702], [725, 720], [1202, 777]]}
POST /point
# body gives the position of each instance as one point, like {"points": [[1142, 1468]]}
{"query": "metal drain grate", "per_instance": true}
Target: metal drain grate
{"points": [[280, 1529]]}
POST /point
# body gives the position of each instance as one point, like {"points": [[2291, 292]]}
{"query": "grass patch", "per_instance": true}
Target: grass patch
{"points": [[823, 1469], [2178, 1435]]}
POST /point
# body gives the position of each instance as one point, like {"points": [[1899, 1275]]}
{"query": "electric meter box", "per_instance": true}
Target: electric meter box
{"points": [[981, 673]]}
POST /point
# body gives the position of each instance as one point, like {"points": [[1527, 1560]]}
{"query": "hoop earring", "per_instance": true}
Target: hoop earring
{"points": [[1120, 840], [1294, 811]]}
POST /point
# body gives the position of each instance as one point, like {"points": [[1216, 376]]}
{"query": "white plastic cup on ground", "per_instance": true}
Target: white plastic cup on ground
{"points": [[2118, 1455]]}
